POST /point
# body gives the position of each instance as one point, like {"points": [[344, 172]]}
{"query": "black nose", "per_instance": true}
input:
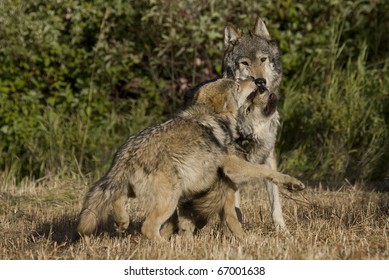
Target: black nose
{"points": [[261, 84]]}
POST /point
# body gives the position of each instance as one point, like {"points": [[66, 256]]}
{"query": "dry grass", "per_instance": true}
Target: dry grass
{"points": [[37, 220]]}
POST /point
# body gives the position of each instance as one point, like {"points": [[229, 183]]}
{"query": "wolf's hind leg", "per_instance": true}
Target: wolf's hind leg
{"points": [[159, 213], [237, 206], [230, 215], [186, 222], [170, 226]]}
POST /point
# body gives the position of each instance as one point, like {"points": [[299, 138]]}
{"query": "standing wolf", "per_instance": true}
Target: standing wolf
{"points": [[253, 55], [158, 166]]}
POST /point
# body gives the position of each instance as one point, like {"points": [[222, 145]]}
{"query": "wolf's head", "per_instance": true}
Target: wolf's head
{"points": [[260, 103], [226, 96], [252, 55], [259, 107]]}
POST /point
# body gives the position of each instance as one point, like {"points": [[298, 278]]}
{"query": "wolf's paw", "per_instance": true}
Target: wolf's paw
{"points": [[295, 185], [167, 230], [121, 225], [291, 183], [242, 237], [283, 231], [186, 234]]}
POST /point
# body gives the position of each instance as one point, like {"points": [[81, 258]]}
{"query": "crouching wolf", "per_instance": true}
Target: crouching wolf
{"points": [[158, 165]]}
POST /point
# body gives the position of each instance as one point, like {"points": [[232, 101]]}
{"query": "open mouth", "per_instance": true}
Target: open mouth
{"points": [[271, 105]]}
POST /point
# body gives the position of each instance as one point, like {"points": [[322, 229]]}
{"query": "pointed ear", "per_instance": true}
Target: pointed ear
{"points": [[216, 101], [260, 29], [219, 102], [230, 35], [217, 96]]}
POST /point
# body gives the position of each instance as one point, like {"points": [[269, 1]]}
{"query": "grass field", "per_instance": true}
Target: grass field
{"points": [[37, 220]]}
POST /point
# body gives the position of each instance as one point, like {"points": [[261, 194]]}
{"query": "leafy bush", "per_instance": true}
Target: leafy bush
{"points": [[335, 126], [76, 77]]}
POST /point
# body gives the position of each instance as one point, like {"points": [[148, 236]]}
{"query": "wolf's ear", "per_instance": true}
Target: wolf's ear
{"points": [[219, 101], [260, 29], [217, 96], [231, 34], [216, 101]]}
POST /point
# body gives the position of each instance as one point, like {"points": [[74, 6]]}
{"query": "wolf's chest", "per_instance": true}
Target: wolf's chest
{"points": [[262, 141]]}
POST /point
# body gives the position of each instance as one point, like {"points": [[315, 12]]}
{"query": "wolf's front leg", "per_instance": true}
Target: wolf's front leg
{"points": [[274, 199], [241, 171], [275, 206]]}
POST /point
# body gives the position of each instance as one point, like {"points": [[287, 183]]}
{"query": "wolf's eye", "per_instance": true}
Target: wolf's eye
{"points": [[244, 62], [248, 110], [263, 59]]}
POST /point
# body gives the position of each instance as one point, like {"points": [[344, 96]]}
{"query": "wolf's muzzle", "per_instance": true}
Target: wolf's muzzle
{"points": [[261, 84]]}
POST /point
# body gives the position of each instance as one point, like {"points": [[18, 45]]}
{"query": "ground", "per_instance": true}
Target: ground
{"points": [[38, 218]]}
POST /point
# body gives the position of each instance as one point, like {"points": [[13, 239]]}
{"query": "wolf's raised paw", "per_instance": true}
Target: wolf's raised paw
{"points": [[295, 185]]}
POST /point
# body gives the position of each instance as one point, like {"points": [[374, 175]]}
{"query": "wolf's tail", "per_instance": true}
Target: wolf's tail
{"points": [[96, 206]]}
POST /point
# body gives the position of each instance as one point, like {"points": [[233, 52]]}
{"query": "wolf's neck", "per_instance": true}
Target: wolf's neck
{"points": [[258, 146]]}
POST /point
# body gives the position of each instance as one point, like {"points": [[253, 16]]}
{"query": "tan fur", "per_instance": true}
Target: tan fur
{"points": [[221, 196], [254, 55], [158, 165]]}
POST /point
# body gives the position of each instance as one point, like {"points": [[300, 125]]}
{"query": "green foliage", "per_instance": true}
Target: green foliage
{"points": [[335, 126], [66, 96], [77, 77]]}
